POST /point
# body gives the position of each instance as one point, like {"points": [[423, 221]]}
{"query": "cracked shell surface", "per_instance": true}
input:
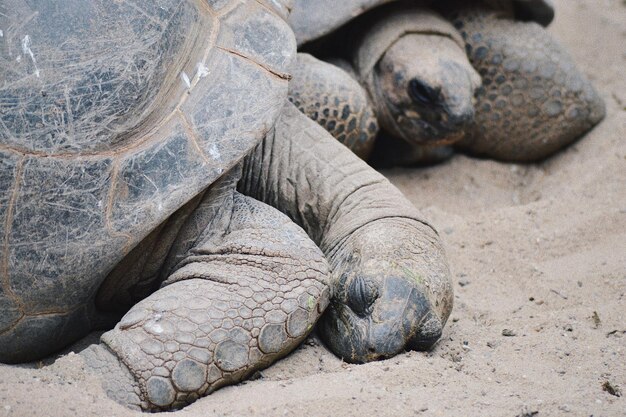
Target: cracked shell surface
{"points": [[108, 125], [312, 19]]}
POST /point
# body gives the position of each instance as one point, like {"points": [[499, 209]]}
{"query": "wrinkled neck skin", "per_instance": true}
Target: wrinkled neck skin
{"points": [[144, 269], [390, 280], [423, 89]]}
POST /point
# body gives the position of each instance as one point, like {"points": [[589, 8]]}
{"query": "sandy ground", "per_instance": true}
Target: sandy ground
{"points": [[537, 252]]}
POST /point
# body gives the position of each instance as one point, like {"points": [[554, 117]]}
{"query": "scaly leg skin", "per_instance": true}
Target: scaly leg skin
{"points": [[247, 287], [330, 96], [534, 100], [390, 280]]}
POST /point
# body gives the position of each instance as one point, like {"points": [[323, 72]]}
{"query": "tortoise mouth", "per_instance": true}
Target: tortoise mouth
{"points": [[433, 128]]}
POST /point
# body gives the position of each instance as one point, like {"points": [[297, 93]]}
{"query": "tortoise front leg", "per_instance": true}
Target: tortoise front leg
{"points": [[334, 99], [247, 287], [390, 280]]}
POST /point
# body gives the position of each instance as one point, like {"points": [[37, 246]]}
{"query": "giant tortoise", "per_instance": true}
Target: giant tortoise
{"points": [[147, 150], [483, 74]]}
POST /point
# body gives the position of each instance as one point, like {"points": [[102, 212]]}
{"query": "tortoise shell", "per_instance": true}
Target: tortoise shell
{"points": [[113, 115], [312, 19]]}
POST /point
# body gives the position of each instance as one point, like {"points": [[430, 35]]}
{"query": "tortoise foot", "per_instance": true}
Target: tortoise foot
{"points": [[244, 296]]}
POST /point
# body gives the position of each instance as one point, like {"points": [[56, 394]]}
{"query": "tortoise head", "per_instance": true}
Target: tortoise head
{"points": [[424, 85], [379, 318], [390, 294]]}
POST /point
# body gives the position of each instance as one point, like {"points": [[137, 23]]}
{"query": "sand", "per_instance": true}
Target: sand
{"points": [[538, 256]]}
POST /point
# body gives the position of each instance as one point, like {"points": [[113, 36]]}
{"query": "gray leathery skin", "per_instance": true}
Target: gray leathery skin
{"points": [[117, 380]]}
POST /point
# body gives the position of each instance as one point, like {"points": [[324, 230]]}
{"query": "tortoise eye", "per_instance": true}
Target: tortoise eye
{"points": [[362, 293], [421, 93]]}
